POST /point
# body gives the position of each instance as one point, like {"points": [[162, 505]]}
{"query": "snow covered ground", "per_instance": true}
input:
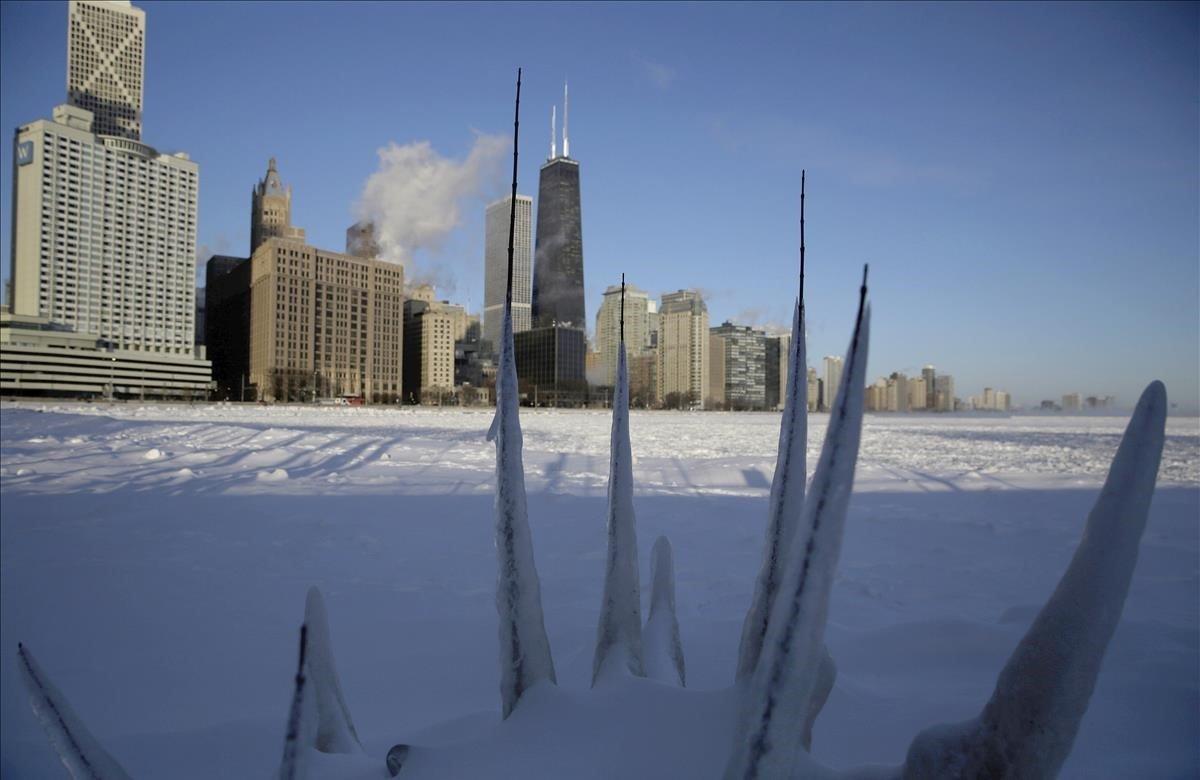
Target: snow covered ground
{"points": [[156, 560]]}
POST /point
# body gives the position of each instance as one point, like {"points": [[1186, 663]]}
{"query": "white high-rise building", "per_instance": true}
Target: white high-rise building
{"points": [[495, 267], [833, 380], [608, 328], [104, 234], [106, 43]]}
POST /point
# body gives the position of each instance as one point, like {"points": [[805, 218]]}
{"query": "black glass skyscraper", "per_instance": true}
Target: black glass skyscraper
{"points": [[558, 247]]}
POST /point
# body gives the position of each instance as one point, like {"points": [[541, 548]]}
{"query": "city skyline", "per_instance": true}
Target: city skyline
{"points": [[1001, 202]]}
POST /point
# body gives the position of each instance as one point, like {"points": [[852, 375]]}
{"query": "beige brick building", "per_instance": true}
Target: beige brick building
{"points": [[683, 359], [324, 324], [430, 329]]}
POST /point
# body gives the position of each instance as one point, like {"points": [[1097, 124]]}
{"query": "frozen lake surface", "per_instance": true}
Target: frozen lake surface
{"points": [[156, 558]]}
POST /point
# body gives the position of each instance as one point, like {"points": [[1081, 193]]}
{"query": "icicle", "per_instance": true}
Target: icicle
{"points": [[787, 487], [663, 648], [335, 728], [619, 634], [78, 750], [524, 649], [300, 730], [779, 697], [1028, 727]]}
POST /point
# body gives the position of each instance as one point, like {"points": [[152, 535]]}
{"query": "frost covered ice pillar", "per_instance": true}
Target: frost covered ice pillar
{"points": [[778, 699], [524, 649], [1029, 726], [787, 487], [619, 634]]}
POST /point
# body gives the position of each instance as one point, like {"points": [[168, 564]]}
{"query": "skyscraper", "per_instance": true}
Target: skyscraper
{"points": [[495, 266], [929, 374], [608, 328], [558, 251], [745, 365], [833, 380], [106, 44], [683, 360], [104, 229]]}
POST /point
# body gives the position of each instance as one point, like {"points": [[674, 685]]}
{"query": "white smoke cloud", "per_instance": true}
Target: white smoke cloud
{"points": [[416, 196]]}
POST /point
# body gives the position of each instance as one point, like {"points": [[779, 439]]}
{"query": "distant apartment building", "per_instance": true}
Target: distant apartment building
{"points": [[608, 328], [495, 266], [814, 390], [429, 342], [778, 355], [715, 395], [745, 369], [643, 379], [918, 397], [944, 393], [833, 381], [897, 393], [683, 366], [929, 375], [1072, 402]]}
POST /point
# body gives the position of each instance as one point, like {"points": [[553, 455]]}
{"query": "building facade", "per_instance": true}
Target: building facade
{"points": [[558, 249], [324, 324], [227, 325], [431, 330], [106, 47], [778, 357], [495, 267], [361, 240], [745, 370], [683, 366], [550, 366], [608, 329], [104, 235], [833, 381]]}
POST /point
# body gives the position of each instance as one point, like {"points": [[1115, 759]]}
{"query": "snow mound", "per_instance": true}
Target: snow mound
{"points": [[154, 454], [272, 475]]}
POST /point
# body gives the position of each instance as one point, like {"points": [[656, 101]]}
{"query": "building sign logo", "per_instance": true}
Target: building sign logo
{"points": [[25, 153]]}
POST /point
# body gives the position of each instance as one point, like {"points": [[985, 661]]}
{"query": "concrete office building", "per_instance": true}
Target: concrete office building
{"points": [[43, 358], [495, 267], [608, 329], [745, 369], [551, 364], [106, 46], [227, 325], [104, 226], [324, 324], [104, 235], [683, 365]]}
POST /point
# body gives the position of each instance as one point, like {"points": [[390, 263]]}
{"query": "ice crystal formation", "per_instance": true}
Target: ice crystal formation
{"points": [[639, 719]]}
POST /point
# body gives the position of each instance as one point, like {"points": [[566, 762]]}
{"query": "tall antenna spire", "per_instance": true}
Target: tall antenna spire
{"points": [[512, 205], [802, 241], [622, 308], [566, 107], [553, 133]]}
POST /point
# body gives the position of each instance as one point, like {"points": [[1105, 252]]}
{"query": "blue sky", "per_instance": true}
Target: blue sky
{"points": [[1024, 179]]}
